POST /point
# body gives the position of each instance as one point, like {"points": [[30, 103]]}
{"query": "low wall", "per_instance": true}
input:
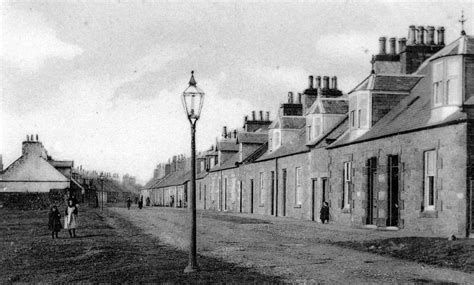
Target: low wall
{"points": [[32, 200]]}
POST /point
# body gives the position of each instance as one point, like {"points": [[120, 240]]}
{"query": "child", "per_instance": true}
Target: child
{"points": [[324, 213], [54, 224], [71, 220]]}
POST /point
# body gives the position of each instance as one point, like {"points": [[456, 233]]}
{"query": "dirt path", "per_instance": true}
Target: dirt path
{"points": [[291, 249], [108, 249]]}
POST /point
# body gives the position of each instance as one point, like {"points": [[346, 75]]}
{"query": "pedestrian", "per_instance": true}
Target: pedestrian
{"points": [[148, 201], [324, 213], [140, 203], [73, 199], [54, 223], [71, 219], [129, 203], [172, 201]]}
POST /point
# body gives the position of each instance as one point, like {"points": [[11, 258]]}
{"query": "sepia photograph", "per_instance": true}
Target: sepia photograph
{"points": [[242, 142]]}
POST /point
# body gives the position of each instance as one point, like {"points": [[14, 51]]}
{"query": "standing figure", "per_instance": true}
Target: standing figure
{"points": [[172, 201], [324, 213], [54, 223], [140, 203], [129, 203], [148, 201], [71, 219]]}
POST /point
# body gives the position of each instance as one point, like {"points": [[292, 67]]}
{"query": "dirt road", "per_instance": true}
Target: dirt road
{"points": [[292, 250]]}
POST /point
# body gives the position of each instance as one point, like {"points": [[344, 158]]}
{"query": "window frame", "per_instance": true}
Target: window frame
{"points": [[346, 185], [261, 189], [298, 188], [429, 180]]}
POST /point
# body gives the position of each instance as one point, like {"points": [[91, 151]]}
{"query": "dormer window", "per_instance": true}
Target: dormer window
{"points": [[358, 114], [276, 141], [446, 82], [314, 127]]}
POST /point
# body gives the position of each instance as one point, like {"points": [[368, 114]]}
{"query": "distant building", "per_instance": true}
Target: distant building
{"points": [[35, 170]]}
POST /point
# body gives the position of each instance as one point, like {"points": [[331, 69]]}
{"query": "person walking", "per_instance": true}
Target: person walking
{"points": [[54, 223], [71, 219], [129, 203], [140, 203], [324, 213]]}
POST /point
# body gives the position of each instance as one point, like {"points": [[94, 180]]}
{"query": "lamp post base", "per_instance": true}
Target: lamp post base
{"points": [[191, 268]]}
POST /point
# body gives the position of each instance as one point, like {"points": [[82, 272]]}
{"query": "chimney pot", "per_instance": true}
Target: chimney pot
{"points": [[261, 115], [318, 81], [32, 138], [235, 134], [393, 50], [268, 116], [37, 137], [224, 131], [430, 35], [402, 43], [290, 97], [310, 82], [27, 138], [420, 35], [412, 35], [441, 36], [325, 82], [299, 98], [382, 41], [334, 82], [253, 116]]}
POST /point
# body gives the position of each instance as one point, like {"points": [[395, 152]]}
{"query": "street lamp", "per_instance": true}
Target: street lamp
{"points": [[192, 98]]}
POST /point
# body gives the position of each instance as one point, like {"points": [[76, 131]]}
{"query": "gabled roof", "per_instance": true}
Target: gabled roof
{"points": [[174, 179], [331, 136], [293, 147], [252, 137], [288, 122]]}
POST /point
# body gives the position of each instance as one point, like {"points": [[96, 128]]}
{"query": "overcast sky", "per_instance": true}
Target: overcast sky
{"points": [[100, 81]]}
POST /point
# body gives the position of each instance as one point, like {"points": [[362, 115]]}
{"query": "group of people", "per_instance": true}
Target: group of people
{"points": [[71, 220], [139, 202]]}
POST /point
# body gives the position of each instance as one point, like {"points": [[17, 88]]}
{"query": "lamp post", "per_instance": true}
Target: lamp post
{"points": [[101, 177], [192, 99]]}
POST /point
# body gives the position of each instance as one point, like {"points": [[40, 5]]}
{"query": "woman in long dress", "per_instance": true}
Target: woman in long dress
{"points": [[71, 219]]}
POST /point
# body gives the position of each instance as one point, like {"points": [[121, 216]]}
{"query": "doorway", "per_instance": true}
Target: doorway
{"points": [[272, 198], [251, 196], [205, 196], [240, 196], [314, 196], [393, 191], [371, 203]]}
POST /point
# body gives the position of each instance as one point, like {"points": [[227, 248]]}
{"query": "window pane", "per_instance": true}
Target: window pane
{"points": [[452, 90], [431, 191]]}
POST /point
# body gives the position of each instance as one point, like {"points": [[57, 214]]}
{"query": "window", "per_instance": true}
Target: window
{"points": [[298, 186], [352, 118], [200, 197], [358, 116], [261, 190], [310, 137], [225, 193], [276, 139], [430, 180], [446, 82], [317, 127], [346, 185]]}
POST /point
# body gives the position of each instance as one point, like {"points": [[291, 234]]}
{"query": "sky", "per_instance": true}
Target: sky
{"points": [[100, 81]]}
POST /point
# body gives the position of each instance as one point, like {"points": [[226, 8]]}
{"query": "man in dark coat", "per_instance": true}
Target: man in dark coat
{"points": [[324, 213]]}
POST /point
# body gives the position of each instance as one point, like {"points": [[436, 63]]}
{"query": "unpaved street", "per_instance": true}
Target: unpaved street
{"points": [[293, 250]]}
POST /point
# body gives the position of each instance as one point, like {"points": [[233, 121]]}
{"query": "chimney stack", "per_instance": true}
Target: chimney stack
{"points": [[325, 82], [224, 131], [290, 97], [430, 37], [253, 116], [441, 36], [411, 35], [310, 82], [261, 115], [334, 82], [267, 117], [420, 35], [393, 50], [402, 44], [382, 41], [318, 81]]}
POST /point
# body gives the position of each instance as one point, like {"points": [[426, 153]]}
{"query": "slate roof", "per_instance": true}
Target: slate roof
{"points": [[227, 145], [389, 82], [252, 137], [335, 106], [289, 122], [174, 179], [415, 111]]}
